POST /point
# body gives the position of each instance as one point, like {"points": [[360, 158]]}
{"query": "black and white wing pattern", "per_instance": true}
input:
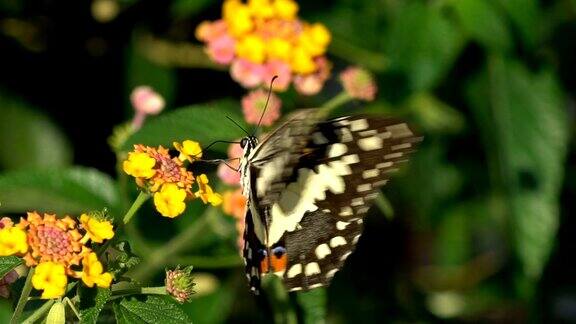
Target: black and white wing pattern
{"points": [[309, 184]]}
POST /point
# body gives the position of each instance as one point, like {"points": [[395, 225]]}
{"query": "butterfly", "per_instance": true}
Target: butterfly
{"points": [[309, 184]]}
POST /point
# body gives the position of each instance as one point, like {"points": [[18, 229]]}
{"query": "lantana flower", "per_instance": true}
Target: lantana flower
{"points": [[145, 101], [166, 177], [93, 272], [55, 247], [206, 193], [358, 83], [234, 204], [254, 103], [97, 228], [263, 38], [228, 172]]}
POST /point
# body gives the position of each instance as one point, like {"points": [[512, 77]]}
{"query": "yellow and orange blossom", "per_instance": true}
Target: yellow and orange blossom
{"points": [[206, 193], [139, 165], [53, 246], [13, 241], [97, 230], [93, 272], [50, 277], [169, 201]]}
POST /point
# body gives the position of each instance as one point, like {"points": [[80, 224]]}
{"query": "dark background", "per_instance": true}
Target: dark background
{"points": [[451, 251]]}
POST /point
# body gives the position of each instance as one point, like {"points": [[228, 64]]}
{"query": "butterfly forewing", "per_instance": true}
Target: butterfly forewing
{"points": [[317, 191]]}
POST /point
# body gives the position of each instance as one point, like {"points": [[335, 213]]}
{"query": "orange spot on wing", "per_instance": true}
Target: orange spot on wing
{"points": [[279, 264], [264, 265]]}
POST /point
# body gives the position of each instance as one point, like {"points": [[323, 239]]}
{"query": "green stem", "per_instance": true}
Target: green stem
{"points": [[385, 206], [39, 312], [339, 100], [139, 291], [72, 307], [142, 197], [162, 256], [23, 297]]}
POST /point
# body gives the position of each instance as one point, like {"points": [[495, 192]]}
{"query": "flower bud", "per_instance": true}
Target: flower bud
{"points": [[180, 283]]}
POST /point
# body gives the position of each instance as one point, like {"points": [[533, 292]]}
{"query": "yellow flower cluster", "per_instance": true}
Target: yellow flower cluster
{"points": [[263, 37], [270, 29], [167, 178], [54, 246]]}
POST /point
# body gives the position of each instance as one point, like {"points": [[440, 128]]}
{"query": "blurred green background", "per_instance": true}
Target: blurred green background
{"points": [[479, 227]]}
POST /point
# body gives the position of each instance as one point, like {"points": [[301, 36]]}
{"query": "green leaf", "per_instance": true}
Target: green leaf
{"points": [[154, 310], [68, 191], [92, 301], [202, 123], [7, 263], [525, 15], [423, 43], [313, 304], [434, 115], [122, 258], [485, 24], [524, 124], [28, 139]]}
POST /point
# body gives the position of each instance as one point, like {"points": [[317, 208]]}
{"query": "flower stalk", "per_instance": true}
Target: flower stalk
{"points": [[141, 199], [23, 298]]}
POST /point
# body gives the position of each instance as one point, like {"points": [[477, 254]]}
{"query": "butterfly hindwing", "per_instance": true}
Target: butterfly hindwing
{"points": [[313, 192], [254, 253]]}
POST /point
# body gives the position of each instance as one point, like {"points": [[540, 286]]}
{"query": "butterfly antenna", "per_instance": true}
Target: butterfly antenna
{"points": [[266, 104], [235, 123]]}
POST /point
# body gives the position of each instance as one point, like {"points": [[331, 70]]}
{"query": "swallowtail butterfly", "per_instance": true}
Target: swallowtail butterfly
{"points": [[309, 184]]}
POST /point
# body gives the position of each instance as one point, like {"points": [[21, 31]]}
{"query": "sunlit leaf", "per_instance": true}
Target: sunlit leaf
{"points": [[485, 23], [524, 126], [154, 310], [92, 300], [65, 191], [203, 123], [423, 43], [7, 263]]}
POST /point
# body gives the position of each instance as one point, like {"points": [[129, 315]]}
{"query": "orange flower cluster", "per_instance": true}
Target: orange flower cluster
{"points": [[54, 246], [167, 178], [264, 38]]}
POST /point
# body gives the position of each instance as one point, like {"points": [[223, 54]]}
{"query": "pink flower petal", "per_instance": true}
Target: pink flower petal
{"points": [[248, 74], [221, 49], [253, 105]]}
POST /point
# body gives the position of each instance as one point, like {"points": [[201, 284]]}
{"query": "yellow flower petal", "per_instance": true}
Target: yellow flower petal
{"points": [[261, 8], [238, 18], [315, 39], [50, 277], [302, 61], [206, 193], [139, 165], [13, 240], [169, 201], [278, 48], [98, 231], [286, 9], [92, 272], [189, 150], [252, 48]]}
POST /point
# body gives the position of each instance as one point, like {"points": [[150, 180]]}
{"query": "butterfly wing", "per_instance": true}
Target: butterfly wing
{"points": [[313, 195]]}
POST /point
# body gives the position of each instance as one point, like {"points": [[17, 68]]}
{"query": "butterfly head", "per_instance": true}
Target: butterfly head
{"points": [[248, 143]]}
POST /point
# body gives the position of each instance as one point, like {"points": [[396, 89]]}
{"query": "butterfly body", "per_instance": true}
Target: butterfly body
{"points": [[309, 183]]}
